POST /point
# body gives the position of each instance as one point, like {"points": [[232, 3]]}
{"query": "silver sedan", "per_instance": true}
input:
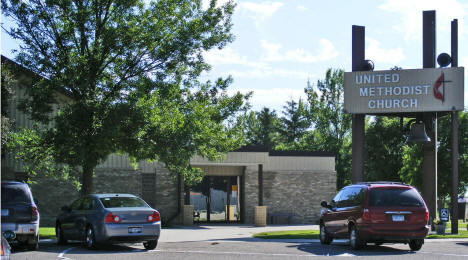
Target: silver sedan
{"points": [[109, 218]]}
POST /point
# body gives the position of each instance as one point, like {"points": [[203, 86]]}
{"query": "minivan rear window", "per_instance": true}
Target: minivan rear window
{"points": [[384, 197], [15, 194], [123, 202]]}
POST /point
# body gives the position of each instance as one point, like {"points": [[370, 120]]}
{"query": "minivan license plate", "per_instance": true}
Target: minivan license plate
{"points": [[398, 218], [4, 212], [134, 230]]}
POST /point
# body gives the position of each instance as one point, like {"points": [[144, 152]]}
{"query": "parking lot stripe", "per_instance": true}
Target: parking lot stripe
{"points": [[243, 253], [61, 255]]}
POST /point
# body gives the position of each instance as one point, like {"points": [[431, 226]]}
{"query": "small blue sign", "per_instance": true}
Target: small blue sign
{"points": [[444, 214]]}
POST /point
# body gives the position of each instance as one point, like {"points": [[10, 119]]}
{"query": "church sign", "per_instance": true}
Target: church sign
{"points": [[404, 91]]}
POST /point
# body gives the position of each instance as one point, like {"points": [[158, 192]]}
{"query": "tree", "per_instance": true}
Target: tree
{"points": [[7, 82], [262, 128], [444, 169], [120, 61], [383, 149], [332, 126], [411, 171], [294, 121]]}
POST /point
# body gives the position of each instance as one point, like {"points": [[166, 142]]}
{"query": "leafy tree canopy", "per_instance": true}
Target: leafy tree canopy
{"points": [[130, 68]]}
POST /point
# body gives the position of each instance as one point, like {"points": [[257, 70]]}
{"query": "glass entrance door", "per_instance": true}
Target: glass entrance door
{"points": [[216, 199]]}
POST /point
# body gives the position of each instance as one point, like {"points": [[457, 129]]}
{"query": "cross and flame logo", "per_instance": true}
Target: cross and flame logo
{"points": [[439, 93]]}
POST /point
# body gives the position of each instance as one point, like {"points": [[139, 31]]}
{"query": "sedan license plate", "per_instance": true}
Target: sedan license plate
{"points": [[398, 218], [132, 230], [5, 212]]}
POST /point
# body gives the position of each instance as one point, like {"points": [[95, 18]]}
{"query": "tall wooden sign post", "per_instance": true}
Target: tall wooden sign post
{"points": [[424, 94]]}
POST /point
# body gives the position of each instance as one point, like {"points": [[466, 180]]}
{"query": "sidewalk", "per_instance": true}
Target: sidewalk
{"points": [[244, 232], [223, 232]]}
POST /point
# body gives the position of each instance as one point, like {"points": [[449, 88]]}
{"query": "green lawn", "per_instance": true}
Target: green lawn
{"points": [[461, 224], [314, 234], [461, 234], [46, 232], [292, 234]]}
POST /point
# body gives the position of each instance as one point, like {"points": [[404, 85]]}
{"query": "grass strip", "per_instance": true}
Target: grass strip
{"points": [[314, 234], [290, 234], [46, 232], [461, 234], [461, 224]]}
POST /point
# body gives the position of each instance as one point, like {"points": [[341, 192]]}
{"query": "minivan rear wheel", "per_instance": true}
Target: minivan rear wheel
{"points": [[150, 245], [416, 244], [325, 238], [354, 241]]}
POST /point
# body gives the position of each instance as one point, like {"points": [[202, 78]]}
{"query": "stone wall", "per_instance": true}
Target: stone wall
{"points": [[51, 194], [297, 193], [117, 181], [166, 194], [250, 193]]}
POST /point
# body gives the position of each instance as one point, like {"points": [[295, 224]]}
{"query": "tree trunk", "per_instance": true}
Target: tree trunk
{"points": [[87, 180]]}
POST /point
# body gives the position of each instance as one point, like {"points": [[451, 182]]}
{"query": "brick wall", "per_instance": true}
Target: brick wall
{"points": [[298, 193]]}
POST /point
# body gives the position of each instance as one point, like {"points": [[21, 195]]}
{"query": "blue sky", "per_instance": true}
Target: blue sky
{"points": [[280, 45]]}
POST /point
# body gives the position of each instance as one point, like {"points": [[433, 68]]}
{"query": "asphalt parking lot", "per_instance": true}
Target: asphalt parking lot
{"points": [[235, 242]]}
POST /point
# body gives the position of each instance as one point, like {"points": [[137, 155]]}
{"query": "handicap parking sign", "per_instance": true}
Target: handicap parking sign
{"points": [[444, 214]]}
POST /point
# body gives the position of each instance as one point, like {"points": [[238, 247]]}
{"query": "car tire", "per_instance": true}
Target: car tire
{"points": [[61, 240], [90, 238], [416, 244], [354, 241], [325, 238], [150, 245], [33, 243]]}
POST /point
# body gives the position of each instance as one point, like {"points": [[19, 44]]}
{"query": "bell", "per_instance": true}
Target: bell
{"points": [[418, 134]]}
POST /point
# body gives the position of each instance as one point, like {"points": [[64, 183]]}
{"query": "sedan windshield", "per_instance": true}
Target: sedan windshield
{"points": [[123, 202]]}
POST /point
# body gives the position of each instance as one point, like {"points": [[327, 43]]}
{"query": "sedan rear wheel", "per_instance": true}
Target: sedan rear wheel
{"points": [[90, 239], [150, 245], [59, 233]]}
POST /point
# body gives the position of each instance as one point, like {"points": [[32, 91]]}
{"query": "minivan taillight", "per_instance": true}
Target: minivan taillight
{"points": [[153, 217], [366, 216], [426, 216], [111, 218], [34, 212]]}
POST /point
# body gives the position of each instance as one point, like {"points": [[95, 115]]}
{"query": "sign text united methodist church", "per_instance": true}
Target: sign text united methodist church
{"points": [[395, 91]]}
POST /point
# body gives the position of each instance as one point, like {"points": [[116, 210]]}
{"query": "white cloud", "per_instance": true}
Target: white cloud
{"points": [[251, 69], [224, 56], [269, 72], [260, 11], [272, 98], [302, 8], [272, 53], [380, 55], [410, 12]]}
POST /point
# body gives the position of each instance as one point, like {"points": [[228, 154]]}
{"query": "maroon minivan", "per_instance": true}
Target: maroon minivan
{"points": [[375, 212]]}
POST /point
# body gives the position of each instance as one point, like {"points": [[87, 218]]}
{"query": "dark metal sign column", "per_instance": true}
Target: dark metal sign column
{"points": [[358, 54], [455, 181], [429, 170]]}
